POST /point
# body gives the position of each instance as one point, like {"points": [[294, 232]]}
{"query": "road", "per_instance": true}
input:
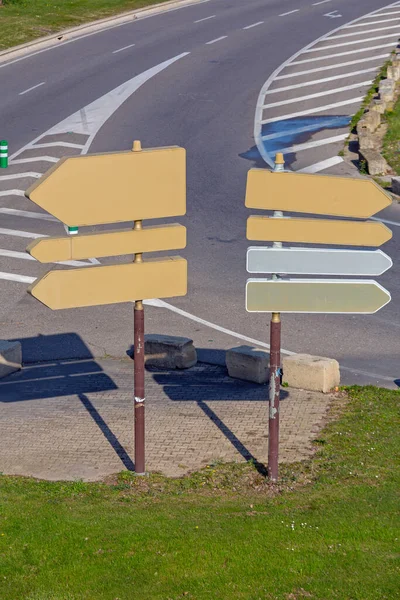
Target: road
{"points": [[196, 77]]}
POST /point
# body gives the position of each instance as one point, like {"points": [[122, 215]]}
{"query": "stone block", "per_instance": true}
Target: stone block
{"points": [[314, 373], [393, 71], [379, 105], [248, 363], [366, 140], [169, 352], [387, 89], [377, 165], [10, 357], [369, 122], [396, 185]]}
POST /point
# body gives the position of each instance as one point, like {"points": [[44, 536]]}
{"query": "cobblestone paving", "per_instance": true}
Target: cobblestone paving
{"points": [[74, 420]]}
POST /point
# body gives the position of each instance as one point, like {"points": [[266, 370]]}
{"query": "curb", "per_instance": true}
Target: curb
{"points": [[67, 35]]}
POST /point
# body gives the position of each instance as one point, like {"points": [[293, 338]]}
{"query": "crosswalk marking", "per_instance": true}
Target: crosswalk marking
{"points": [[28, 214], [311, 111], [318, 81], [20, 176], [318, 94]]}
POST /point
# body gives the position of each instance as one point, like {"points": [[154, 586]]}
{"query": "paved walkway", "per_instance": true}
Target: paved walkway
{"points": [[70, 420]]}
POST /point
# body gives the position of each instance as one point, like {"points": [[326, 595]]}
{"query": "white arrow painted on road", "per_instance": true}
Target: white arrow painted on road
{"points": [[333, 15], [317, 261]]}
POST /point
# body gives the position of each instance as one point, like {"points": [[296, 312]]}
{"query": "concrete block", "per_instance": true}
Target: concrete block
{"points": [[366, 140], [370, 122], [169, 352], [248, 363], [393, 71], [396, 185], [379, 105], [377, 165], [313, 373], [10, 357], [387, 90]]}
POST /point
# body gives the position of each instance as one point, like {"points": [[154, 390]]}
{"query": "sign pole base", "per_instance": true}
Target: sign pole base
{"points": [[139, 388], [274, 393]]}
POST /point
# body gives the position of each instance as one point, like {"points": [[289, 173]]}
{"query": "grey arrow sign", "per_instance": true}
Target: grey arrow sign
{"points": [[317, 261]]}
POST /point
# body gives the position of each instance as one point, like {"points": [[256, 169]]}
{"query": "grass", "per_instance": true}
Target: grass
{"points": [[328, 531], [391, 141], [24, 20]]}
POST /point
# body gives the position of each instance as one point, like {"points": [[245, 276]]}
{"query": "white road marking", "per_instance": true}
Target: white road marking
{"points": [[329, 56], [322, 165], [311, 111], [289, 13], [315, 144], [386, 221], [205, 19], [31, 88], [297, 130], [254, 25], [317, 95], [318, 81], [18, 278], [321, 2], [396, 12], [216, 40], [26, 256], [343, 35], [124, 48], [333, 15], [379, 37], [28, 214], [20, 176], [23, 234], [54, 145], [12, 193], [336, 66], [89, 119], [20, 161], [371, 23]]}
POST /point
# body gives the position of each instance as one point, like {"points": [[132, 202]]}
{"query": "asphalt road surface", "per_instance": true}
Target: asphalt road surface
{"points": [[232, 82]]}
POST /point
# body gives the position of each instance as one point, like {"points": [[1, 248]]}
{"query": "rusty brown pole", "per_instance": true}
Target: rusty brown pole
{"points": [[275, 366], [274, 393]]}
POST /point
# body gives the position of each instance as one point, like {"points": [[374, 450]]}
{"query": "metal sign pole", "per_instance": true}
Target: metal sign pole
{"points": [[275, 368]]}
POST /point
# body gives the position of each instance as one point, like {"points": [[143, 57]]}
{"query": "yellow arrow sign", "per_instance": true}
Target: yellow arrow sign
{"points": [[93, 286], [318, 231], [315, 194], [110, 243], [114, 187]]}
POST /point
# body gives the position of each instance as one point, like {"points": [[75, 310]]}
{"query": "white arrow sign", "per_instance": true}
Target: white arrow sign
{"points": [[333, 15], [317, 261]]}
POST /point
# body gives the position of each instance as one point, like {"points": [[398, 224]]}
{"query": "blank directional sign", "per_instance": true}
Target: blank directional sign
{"points": [[317, 231], [317, 261], [91, 286], [340, 296], [315, 194], [114, 187], [109, 243]]}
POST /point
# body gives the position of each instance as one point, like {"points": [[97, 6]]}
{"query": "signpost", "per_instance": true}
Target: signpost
{"points": [[318, 195], [112, 188]]}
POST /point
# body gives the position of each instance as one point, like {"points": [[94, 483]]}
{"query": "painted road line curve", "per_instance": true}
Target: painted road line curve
{"points": [[298, 133]]}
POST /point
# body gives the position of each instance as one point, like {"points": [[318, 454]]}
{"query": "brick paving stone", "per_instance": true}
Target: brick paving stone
{"points": [[74, 420]]}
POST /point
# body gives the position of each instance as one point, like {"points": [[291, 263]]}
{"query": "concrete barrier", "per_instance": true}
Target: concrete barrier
{"points": [[169, 352], [248, 363], [314, 373]]}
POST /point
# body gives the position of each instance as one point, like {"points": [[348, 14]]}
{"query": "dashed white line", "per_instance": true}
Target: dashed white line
{"points": [[20, 176], [205, 19], [335, 66], [321, 2], [318, 81], [28, 214], [124, 48], [322, 165], [289, 13], [311, 111], [12, 193], [314, 144], [54, 145], [371, 23], [18, 278], [329, 56], [318, 94], [31, 88], [379, 37], [344, 35], [216, 40], [20, 161], [253, 25]]}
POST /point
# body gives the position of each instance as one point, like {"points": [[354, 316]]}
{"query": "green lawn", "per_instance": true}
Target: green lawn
{"points": [[24, 20], [391, 141], [329, 531]]}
